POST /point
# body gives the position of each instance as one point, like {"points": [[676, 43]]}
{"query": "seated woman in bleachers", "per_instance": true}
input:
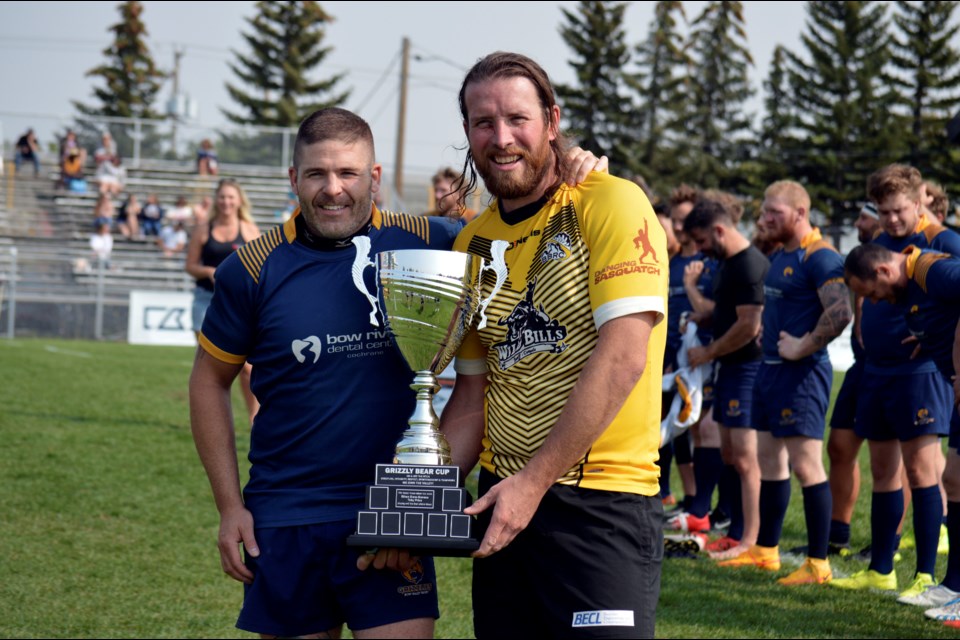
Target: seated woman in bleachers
{"points": [[151, 216], [111, 176], [128, 222]]}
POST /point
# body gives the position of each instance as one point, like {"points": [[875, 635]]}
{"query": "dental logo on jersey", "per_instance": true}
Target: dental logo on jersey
{"points": [[787, 417], [414, 576], [355, 345], [733, 408], [642, 244], [529, 330], [923, 417], [557, 248], [603, 618], [787, 272], [310, 344]]}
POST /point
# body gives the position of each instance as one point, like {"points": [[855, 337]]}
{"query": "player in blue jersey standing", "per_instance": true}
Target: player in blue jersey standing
{"points": [[925, 286], [806, 305], [903, 407]]}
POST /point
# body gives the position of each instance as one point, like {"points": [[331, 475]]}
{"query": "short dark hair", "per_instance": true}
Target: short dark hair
{"points": [[705, 214], [861, 263], [331, 123], [500, 65], [447, 173]]}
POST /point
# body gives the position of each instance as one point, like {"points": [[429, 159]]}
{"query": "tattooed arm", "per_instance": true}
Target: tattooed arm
{"points": [[835, 298]]}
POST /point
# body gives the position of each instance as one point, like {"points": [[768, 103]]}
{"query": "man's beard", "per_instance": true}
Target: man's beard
{"points": [[515, 184]]}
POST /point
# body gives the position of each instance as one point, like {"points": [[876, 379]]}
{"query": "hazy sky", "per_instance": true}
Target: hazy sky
{"points": [[47, 47]]}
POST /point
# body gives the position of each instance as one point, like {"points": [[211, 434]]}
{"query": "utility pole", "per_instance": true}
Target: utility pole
{"points": [[177, 54], [401, 120]]}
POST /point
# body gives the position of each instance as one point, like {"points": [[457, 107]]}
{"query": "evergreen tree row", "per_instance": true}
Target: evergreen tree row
{"points": [[873, 83]]}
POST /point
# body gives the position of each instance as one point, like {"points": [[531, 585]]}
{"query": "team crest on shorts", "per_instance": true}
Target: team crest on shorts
{"points": [[414, 576], [787, 417], [923, 417], [733, 408]]}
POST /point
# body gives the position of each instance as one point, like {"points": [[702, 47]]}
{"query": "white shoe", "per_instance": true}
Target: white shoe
{"points": [[949, 611], [935, 596]]}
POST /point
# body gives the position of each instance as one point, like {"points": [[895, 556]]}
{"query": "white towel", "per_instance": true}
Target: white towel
{"points": [[688, 401]]}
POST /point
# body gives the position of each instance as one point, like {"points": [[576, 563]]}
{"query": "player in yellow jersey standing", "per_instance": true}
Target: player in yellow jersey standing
{"points": [[559, 394]]}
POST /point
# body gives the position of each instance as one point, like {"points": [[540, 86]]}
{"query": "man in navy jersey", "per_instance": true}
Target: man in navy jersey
{"points": [[806, 305], [925, 286], [903, 407]]}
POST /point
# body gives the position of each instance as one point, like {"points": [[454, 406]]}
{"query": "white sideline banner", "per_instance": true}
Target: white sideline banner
{"points": [[161, 317]]}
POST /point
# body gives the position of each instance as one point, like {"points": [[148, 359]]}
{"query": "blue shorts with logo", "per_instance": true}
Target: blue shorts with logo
{"points": [[790, 399], [733, 393], [306, 581], [903, 406], [845, 406]]}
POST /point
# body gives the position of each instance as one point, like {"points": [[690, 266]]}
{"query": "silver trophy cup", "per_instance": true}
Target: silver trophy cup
{"points": [[429, 300]]}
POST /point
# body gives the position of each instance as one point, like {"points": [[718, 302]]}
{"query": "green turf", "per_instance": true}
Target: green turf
{"points": [[108, 526]]}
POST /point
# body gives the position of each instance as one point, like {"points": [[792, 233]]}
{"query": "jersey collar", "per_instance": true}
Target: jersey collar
{"points": [[810, 238], [913, 254]]}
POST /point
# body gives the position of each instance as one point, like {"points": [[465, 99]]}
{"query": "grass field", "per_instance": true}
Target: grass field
{"points": [[109, 527]]}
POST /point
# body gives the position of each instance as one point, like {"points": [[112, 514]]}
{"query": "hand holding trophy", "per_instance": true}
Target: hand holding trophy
{"points": [[429, 300]]}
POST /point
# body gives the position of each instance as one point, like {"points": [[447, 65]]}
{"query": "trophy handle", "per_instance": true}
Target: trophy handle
{"points": [[360, 263], [498, 265]]}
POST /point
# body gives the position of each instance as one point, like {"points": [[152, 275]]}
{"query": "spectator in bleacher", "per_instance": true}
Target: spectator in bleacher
{"points": [[201, 210], [128, 222], [173, 238], [103, 211], [111, 176], [71, 170], [106, 151], [207, 158], [450, 196], [101, 243], [28, 148], [151, 216], [181, 212], [230, 227]]}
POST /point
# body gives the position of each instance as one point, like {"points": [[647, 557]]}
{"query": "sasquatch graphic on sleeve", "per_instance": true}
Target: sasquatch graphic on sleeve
{"points": [[529, 330], [642, 243]]}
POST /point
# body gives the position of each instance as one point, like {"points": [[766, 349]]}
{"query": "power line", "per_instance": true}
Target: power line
{"points": [[379, 83]]}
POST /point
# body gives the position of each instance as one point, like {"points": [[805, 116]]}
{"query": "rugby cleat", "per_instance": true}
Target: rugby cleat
{"points": [[918, 585], [812, 571], [949, 611], [766, 558], [868, 579], [935, 596], [688, 523], [722, 544]]}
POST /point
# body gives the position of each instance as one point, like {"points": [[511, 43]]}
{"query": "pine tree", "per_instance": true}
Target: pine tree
{"points": [[285, 48], [928, 74], [843, 104], [132, 80], [661, 89], [717, 124], [595, 109], [778, 139]]}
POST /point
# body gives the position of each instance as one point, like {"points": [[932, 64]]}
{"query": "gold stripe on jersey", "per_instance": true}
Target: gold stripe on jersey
{"points": [[417, 225], [219, 353], [254, 253], [921, 266]]}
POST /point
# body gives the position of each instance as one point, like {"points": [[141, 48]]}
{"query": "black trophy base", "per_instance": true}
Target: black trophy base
{"points": [[419, 508]]}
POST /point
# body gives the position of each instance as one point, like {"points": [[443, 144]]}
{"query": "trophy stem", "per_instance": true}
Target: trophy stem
{"points": [[423, 443]]}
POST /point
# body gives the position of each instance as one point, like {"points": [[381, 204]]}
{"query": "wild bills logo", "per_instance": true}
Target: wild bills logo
{"points": [[529, 330]]}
